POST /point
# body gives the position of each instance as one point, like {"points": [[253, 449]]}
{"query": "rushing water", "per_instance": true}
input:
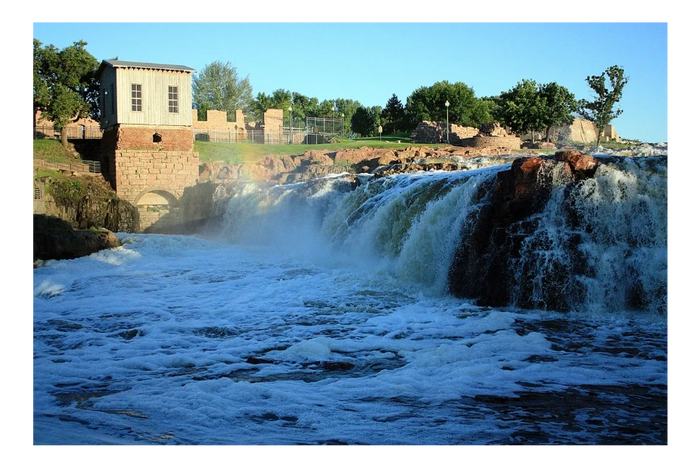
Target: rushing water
{"points": [[321, 314]]}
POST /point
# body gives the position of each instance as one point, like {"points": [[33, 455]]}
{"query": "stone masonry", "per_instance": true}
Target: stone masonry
{"points": [[218, 120], [138, 160], [140, 172]]}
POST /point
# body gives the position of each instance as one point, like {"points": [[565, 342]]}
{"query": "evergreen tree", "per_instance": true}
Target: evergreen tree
{"points": [[366, 120], [394, 115]]}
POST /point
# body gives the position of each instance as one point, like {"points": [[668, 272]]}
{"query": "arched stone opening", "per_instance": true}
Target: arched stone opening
{"points": [[155, 206]]}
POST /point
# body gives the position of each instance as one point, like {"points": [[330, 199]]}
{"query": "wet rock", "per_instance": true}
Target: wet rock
{"points": [[55, 238]]}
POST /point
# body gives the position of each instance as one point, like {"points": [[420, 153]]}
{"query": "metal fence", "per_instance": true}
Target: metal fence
{"points": [[74, 132], [315, 131], [83, 167], [327, 127], [282, 136]]}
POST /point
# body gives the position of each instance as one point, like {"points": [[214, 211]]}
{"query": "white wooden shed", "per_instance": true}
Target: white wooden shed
{"points": [[136, 93]]}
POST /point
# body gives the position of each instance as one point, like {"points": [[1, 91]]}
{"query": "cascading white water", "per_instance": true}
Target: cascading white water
{"points": [[315, 326], [606, 235]]}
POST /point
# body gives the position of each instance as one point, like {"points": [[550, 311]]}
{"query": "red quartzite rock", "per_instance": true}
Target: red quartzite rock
{"points": [[481, 268]]}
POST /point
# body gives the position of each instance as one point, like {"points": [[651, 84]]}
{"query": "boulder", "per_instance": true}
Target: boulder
{"points": [[55, 238]]}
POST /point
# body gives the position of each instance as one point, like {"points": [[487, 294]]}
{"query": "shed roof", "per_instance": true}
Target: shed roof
{"points": [[152, 66]]}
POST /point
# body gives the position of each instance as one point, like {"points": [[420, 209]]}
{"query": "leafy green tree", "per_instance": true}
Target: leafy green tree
{"points": [[602, 111], [485, 110], [522, 108], [202, 111], [347, 109], [260, 105], [428, 103], [559, 105], [218, 87], [37, 86], [394, 115], [282, 98], [304, 106], [326, 109], [531, 107], [65, 84]]}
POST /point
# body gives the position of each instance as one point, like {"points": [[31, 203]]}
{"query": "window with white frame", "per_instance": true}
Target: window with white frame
{"points": [[136, 97], [172, 99]]}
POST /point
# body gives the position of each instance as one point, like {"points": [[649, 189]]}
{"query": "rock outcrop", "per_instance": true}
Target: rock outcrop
{"points": [[493, 237], [55, 238], [317, 163]]}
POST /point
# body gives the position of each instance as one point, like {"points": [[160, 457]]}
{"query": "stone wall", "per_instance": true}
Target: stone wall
{"points": [[434, 132], [78, 129], [139, 172], [218, 120], [581, 131], [479, 142], [272, 131], [273, 124]]}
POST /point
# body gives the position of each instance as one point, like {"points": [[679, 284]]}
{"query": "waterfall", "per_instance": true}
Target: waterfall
{"points": [[597, 243]]}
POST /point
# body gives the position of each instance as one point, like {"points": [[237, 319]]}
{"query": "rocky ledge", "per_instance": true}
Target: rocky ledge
{"points": [[316, 163], [55, 238]]}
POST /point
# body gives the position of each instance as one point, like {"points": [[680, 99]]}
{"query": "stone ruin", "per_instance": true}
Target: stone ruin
{"points": [[434, 133], [489, 135]]}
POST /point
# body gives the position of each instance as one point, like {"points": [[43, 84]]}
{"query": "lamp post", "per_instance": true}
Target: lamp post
{"points": [[342, 125], [291, 139], [447, 109]]}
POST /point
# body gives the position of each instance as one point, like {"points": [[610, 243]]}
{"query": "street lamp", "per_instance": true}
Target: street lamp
{"points": [[291, 139], [342, 126], [447, 109]]}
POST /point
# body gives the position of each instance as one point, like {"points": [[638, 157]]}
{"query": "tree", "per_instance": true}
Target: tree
{"points": [[428, 103], [326, 109], [394, 115], [304, 106], [366, 120], [521, 108], [347, 109], [65, 85], [218, 87], [531, 107], [559, 106], [601, 111], [260, 105]]}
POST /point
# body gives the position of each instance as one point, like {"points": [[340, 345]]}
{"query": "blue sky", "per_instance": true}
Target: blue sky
{"points": [[368, 62]]}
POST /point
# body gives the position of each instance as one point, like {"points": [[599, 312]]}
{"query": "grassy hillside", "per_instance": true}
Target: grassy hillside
{"points": [[51, 150]]}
